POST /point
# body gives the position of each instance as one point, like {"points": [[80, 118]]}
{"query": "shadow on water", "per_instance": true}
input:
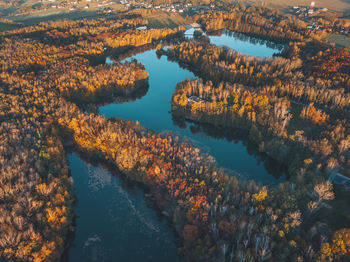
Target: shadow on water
{"points": [[129, 228], [235, 136], [245, 38], [121, 53], [153, 111]]}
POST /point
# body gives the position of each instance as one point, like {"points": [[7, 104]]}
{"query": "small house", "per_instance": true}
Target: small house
{"points": [[194, 99]]}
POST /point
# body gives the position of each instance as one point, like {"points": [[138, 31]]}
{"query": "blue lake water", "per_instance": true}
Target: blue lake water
{"points": [[241, 43], [153, 111], [114, 221], [245, 44]]}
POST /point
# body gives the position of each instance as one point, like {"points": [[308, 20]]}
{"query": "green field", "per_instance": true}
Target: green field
{"points": [[336, 5], [161, 20], [339, 40], [37, 16], [31, 20], [5, 27], [157, 19]]}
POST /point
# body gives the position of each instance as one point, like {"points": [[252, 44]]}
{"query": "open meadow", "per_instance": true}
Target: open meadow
{"points": [[336, 5]]}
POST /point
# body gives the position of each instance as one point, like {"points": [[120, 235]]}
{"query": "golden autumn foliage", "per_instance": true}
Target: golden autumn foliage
{"points": [[315, 115], [35, 78], [339, 248], [261, 195], [43, 88]]}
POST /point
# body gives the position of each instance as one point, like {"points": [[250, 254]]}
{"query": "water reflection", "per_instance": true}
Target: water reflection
{"points": [[242, 43], [128, 229], [243, 37], [115, 222], [236, 136], [154, 112]]}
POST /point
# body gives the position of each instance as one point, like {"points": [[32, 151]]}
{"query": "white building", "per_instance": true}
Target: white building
{"points": [[312, 8]]}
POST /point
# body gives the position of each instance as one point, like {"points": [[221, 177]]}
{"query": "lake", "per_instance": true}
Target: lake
{"points": [[245, 44], [153, 111], [114, 220]]}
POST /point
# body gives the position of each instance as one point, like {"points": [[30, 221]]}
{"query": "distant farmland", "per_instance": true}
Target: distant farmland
{"points": [[340, 40], [337, 5]]}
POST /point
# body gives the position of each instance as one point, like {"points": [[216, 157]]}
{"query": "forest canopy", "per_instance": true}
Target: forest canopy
{"points": [[49, 81]]}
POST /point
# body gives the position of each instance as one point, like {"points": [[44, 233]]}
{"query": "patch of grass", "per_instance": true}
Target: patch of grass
{"points": [[336, 5], [339, 40], [162, 20], [5, 27], [52, 14], [296, 123], [32, 20]]}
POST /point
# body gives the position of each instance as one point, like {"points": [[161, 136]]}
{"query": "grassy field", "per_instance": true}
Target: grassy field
{"points": [[161, 20], [4, 27], [339, 40], [51, 14], [43, 16], [35, 19], [336, 5], [157, 19]]}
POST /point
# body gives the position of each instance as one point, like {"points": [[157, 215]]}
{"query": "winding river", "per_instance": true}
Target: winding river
{"points": [[115, 220]]}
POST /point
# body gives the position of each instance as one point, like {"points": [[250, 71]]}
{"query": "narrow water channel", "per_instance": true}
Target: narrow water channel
{"points": [[115, 222], [153, 111]]}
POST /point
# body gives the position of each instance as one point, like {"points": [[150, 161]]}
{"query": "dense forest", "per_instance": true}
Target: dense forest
{"points": [[270, 121], [260, 21], [36, 77], [294, 106], [47, 74]]}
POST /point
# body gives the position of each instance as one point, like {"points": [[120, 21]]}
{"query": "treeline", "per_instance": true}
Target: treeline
{"points": [[84, 27], [7, 4], [223, 64], [216, 217], [280, 75], [81, 37], [28, 55], [268, 119], [258, 21], [139, 37], [35, 188], [307, 144], [85, 84]]}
